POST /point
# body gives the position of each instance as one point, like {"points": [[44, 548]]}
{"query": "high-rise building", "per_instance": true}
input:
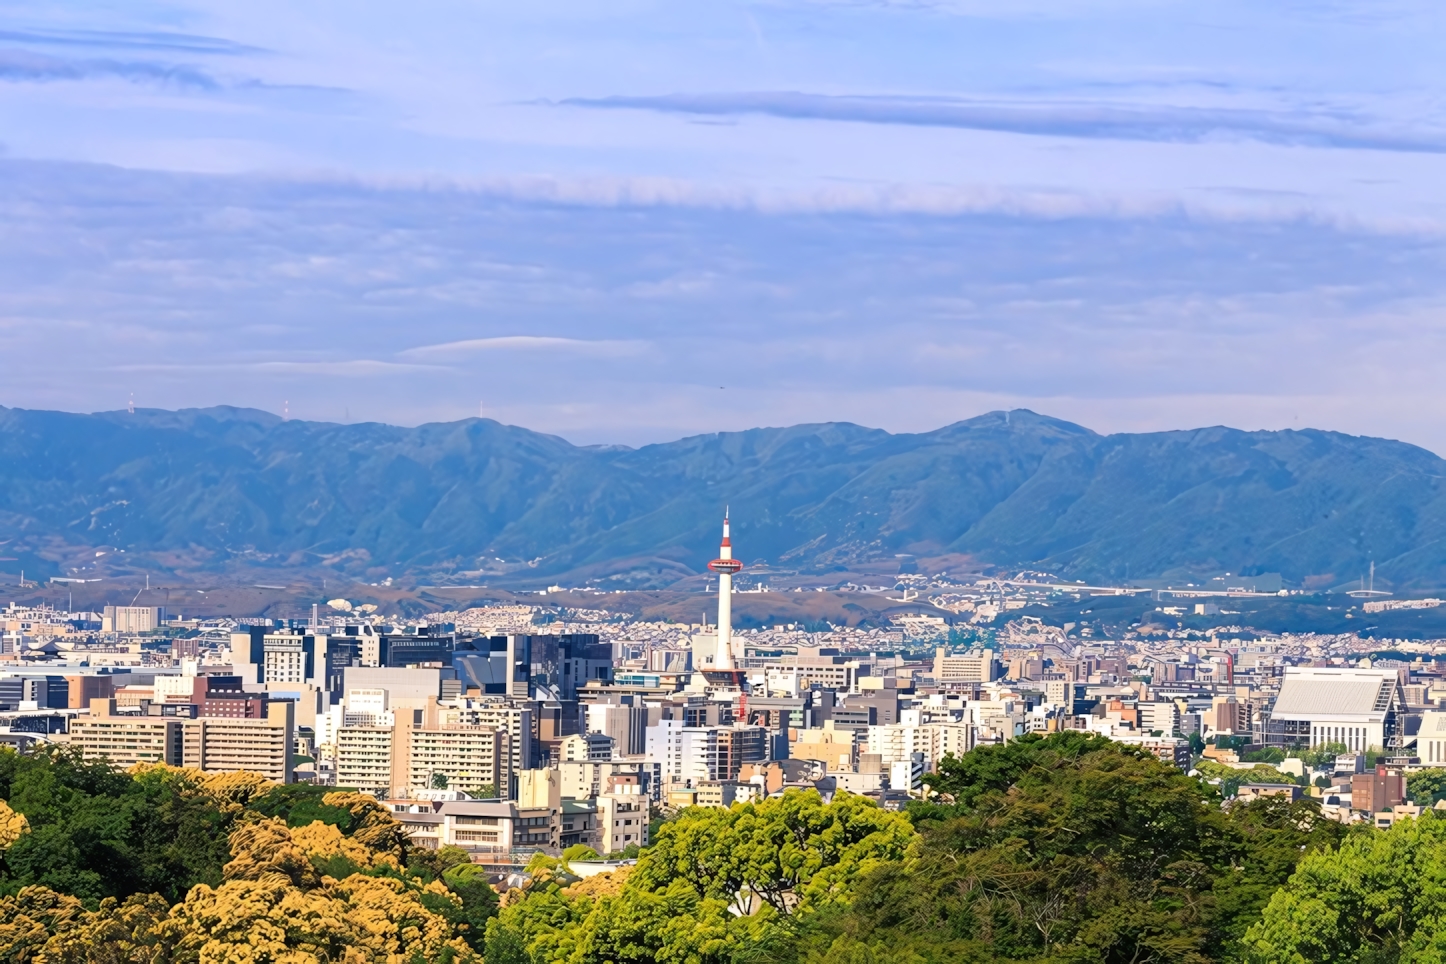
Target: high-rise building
{"points": [[588, 746], [338, 651], [689, 754], [226, 697], [417, 685], [417, 650], [385, 743], [898, 742], [493, 666], [127, 740], [231, 744], [248, 651], [364, 758], [46, 692], [1159, 716], [515, 719], [622, 818], [468, 758], [288, 656], [131, 619], [1380, 789], [532, 666], [590, 778], [83, 688], [626, 721]]}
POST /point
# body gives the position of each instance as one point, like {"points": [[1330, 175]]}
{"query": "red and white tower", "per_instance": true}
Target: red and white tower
{"points": [[725, 566]]}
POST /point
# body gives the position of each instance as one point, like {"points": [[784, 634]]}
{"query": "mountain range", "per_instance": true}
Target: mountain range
{"points": [[226, 488]]}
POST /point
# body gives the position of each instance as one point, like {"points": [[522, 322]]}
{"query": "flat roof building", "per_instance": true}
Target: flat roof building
{"points": [[173, 734]]}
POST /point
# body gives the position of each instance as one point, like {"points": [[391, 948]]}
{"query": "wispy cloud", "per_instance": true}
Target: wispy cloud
{"points": [[356, 367], [124, 40], [1348, 11], [1223, 205], [543, 343], [1131, 122], [353, 367], [28, 66]]}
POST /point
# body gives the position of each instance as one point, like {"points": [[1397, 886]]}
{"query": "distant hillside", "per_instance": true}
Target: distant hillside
{"points": [[221, 488]]}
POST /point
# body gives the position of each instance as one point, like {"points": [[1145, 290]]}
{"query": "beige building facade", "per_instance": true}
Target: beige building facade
{"points": [[214, 745]]}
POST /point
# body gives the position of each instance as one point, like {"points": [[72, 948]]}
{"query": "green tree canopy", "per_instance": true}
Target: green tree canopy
{"points": [[1378, 898], [718, 885], [1073, 848], [95, 832], [1323, 754], [302, 803], [1426, 787], [479, 901], [786, 852]]}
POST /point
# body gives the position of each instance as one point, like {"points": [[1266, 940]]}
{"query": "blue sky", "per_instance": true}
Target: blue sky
{"points": [[631, 221]]}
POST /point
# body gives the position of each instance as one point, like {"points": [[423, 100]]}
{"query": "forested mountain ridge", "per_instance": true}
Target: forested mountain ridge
{"points": [[230, 486]]}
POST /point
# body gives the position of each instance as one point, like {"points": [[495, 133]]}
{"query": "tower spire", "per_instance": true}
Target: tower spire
{"points": [[725, 566]]}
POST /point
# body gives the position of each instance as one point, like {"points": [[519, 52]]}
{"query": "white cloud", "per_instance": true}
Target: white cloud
{"points": [[525, 343], [344, 368]]}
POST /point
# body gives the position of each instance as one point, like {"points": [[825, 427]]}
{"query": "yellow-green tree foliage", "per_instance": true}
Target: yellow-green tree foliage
{"points": [[13, 826], [374, 826], [231, 792], [274, 907]]}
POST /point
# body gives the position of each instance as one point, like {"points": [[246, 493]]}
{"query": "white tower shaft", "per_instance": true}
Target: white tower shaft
{"points": [[724, 659]]}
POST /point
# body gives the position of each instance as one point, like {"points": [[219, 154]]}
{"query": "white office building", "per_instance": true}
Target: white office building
{"points": [[1360, 708], [1431, 739], [898, 742], [687, 753]]}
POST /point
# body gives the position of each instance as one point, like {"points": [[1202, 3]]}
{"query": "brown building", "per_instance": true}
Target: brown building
{"points": [[1381, 790], [83, 689], [222, 697]]}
